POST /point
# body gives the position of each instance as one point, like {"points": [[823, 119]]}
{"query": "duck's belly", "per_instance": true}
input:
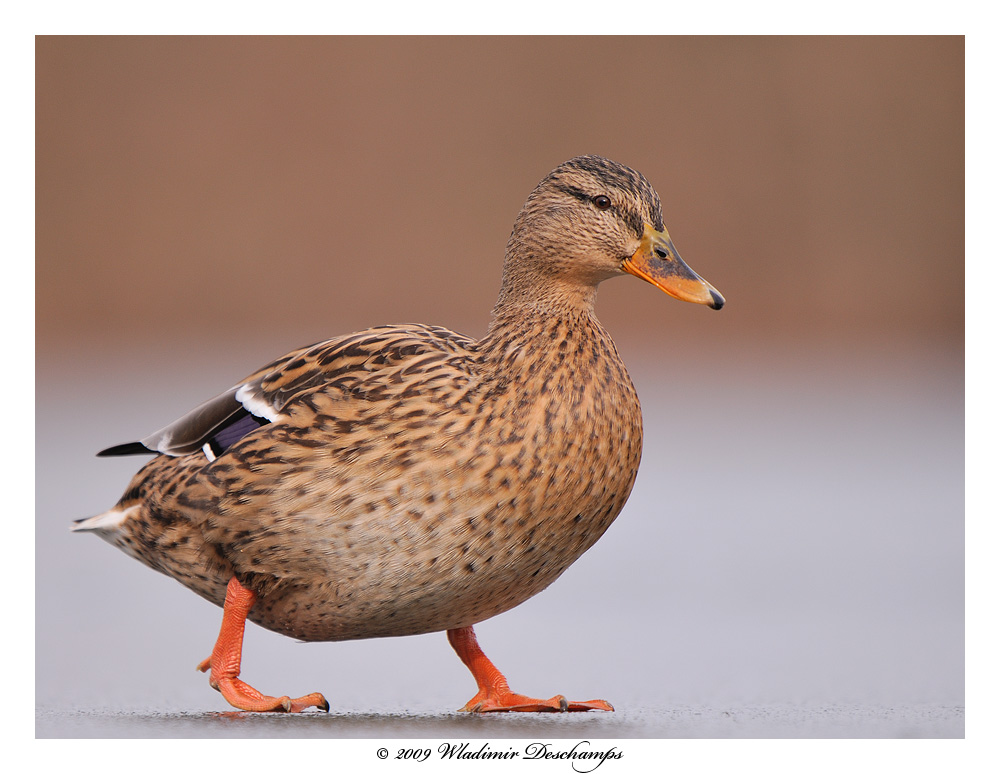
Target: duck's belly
{"points": [[436, 572], [411, 571]]}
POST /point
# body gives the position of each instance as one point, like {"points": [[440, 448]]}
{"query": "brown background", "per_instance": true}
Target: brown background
{"points": [[226, 188]]}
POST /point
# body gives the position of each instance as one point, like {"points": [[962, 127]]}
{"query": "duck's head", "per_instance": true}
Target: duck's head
{"points": [[591, 219]]}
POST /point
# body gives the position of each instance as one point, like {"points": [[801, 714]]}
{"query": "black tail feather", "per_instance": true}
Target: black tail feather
{"points": [[124, 449]]}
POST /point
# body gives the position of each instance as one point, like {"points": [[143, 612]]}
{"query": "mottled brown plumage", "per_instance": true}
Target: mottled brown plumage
{"points": [[408, 479]]}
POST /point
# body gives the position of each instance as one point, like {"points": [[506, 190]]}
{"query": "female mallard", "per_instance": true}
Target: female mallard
{"points": [[408, 479]]}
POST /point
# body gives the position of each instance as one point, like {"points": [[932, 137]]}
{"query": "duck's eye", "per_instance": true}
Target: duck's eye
{"points": [[602, 202]]}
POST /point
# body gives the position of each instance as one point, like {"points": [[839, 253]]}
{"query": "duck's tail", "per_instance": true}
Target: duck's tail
{"points": [[106, 524]]}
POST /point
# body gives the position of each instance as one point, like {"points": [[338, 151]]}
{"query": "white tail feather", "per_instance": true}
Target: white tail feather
{"points": [[109, 521]]}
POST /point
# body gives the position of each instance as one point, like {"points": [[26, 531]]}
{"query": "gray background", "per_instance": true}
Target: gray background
{"points": [[791, 561]]}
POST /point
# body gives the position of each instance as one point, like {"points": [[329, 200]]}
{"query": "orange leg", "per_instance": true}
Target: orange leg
{"points": [[226, 656], [495, 695]]}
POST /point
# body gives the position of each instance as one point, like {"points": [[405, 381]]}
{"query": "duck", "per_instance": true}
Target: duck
{"points": [[408, 479]]}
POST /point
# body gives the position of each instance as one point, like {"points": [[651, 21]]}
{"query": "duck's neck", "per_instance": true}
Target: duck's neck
{"points": [[539, 317], [531, 290]]}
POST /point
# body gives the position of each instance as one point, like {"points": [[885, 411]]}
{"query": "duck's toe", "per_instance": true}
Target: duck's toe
{"points": [[249, 699], [507, 701]]}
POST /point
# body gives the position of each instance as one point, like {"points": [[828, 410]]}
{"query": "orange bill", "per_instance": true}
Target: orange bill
{"points": [[657, 262]]}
